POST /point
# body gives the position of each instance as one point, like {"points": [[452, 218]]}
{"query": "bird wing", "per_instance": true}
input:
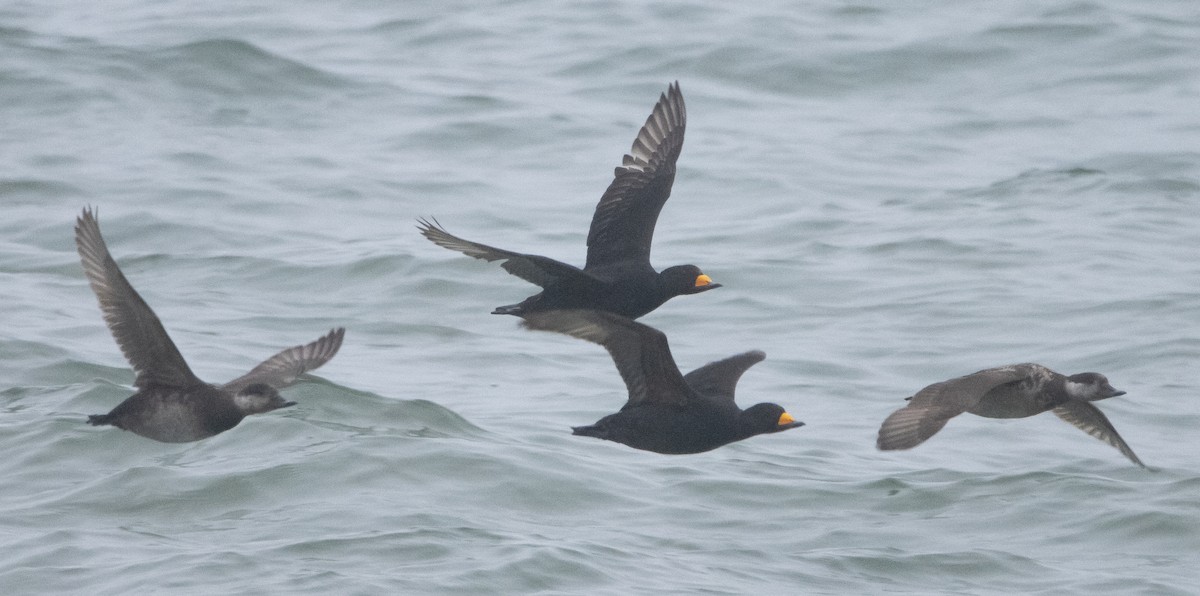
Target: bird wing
{"points": [[640, 352], [932, 407], [963, 392], [717, 380], [282, 369], [1091, 420], [138, 332], [534, 269], [623, 225]]}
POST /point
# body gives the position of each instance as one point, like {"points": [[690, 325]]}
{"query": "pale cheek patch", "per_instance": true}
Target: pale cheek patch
{"points": [[1078, 390], [250, 402]]}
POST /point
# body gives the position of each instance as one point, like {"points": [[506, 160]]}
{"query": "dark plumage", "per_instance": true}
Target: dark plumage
{"points": [[171, 403], [1016, 391], [617, 276], [667, 412]]}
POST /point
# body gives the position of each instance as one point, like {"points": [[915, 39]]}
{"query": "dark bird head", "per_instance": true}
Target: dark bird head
{"points": [[765, 418], [1090, 386], [685, 279], [258, 398]]}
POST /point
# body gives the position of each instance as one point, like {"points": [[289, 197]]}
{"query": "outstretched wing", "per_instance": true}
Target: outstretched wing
{"points": [[908, 427], [932, 407], [963, 392], [138, 332], [1091, 420], [717, 380], [534, 269], [640, 352], [623, 225], [282, 369]]}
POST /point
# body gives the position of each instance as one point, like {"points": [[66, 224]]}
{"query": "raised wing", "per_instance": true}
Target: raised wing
{"points": [[929, 410], [640, 352], [623, 225], [282, 369], [531, 268], [1091, 420], [717, 380], [138, 332]]}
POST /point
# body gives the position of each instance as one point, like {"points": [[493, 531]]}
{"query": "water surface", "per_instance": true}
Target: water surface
{"points": [[891, 196]]}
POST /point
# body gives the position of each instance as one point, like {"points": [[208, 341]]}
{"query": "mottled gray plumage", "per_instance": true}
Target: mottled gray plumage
{"points": [[171, 403], [1015, 391]]}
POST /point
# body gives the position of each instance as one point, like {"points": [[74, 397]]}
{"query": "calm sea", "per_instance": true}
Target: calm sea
{"points": [[892, 194]]}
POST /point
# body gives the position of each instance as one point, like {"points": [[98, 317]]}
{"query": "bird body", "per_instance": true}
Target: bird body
{"points": [[174, 414], [674, 430]]}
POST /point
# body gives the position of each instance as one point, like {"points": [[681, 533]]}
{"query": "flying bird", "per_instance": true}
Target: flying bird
{"points": [[171, 404], [617, 276], [1016, 391], [667, 411]]}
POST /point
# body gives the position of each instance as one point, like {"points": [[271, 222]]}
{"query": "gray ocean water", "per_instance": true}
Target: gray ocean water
{"points": [[892, 194]]}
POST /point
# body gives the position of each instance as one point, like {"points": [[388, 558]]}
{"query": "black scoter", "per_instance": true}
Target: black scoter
{"points": [[667, 412], [617, 276]]}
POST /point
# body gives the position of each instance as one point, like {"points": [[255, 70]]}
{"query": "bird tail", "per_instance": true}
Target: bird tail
{"points": [[99, 420], [511, 309], [590, 431]]}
